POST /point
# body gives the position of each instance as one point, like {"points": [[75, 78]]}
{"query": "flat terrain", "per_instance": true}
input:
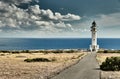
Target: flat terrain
{"points": [[12, 66], [87, 68], [108, 74]]}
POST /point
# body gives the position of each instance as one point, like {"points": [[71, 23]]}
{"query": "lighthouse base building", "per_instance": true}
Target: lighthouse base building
{"points": [[94, 48]]}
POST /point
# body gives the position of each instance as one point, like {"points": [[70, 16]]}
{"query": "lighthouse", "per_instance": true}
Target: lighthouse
{"points": [[94, 47]]}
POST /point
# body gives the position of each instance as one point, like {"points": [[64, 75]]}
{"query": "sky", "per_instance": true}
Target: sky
{"points": [[59, 18]]}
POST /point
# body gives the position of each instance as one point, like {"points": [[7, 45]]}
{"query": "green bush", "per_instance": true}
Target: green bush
{"points": [[111, 64], [37, 60]]}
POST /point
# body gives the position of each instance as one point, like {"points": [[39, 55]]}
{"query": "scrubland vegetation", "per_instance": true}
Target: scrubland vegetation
{"points": [[36, 64], [109, 61], [39, 51]]}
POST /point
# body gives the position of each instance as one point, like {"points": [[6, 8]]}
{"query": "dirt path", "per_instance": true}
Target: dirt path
{"points": [[87, 68]]}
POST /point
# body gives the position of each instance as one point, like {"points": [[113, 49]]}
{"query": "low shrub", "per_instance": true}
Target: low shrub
{"points": [[2, 54], [2, 51], [37, 60], [25, 51], [15, 52], [57, 51], [53, 59], [109, 51], [101, 51], [111, 64], [70, 51]]}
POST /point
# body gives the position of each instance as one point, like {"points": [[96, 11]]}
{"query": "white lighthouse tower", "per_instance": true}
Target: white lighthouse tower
{"points": [[94, 47]]}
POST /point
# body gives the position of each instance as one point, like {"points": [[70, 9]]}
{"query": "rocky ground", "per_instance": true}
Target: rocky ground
{"points": [[108, 74], [12, 66]]}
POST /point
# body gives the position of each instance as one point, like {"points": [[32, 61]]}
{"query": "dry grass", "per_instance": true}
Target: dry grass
{"points": [[12, 66], [102, 56], [108, 74]]}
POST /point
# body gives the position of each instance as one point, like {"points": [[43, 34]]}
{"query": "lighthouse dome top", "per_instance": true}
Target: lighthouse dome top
{"points": [[94, 23]]}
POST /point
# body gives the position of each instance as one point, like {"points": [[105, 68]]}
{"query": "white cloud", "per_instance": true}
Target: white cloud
{"points": [[71, 17], [15, 1], [33, 18], [35, 9], [48, 14]]}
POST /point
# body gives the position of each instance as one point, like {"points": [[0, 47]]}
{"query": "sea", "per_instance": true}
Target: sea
{"points": [[56, 43]]}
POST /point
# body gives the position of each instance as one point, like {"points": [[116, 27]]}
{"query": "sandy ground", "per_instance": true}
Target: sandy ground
{"points": [[108, 74], [12, 66]]}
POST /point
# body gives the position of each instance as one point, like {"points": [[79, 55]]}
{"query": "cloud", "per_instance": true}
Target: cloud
{"points": [[102, 20], [49, 15], [32, 18], [15, 1], [109, 20], [108, 25]]}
